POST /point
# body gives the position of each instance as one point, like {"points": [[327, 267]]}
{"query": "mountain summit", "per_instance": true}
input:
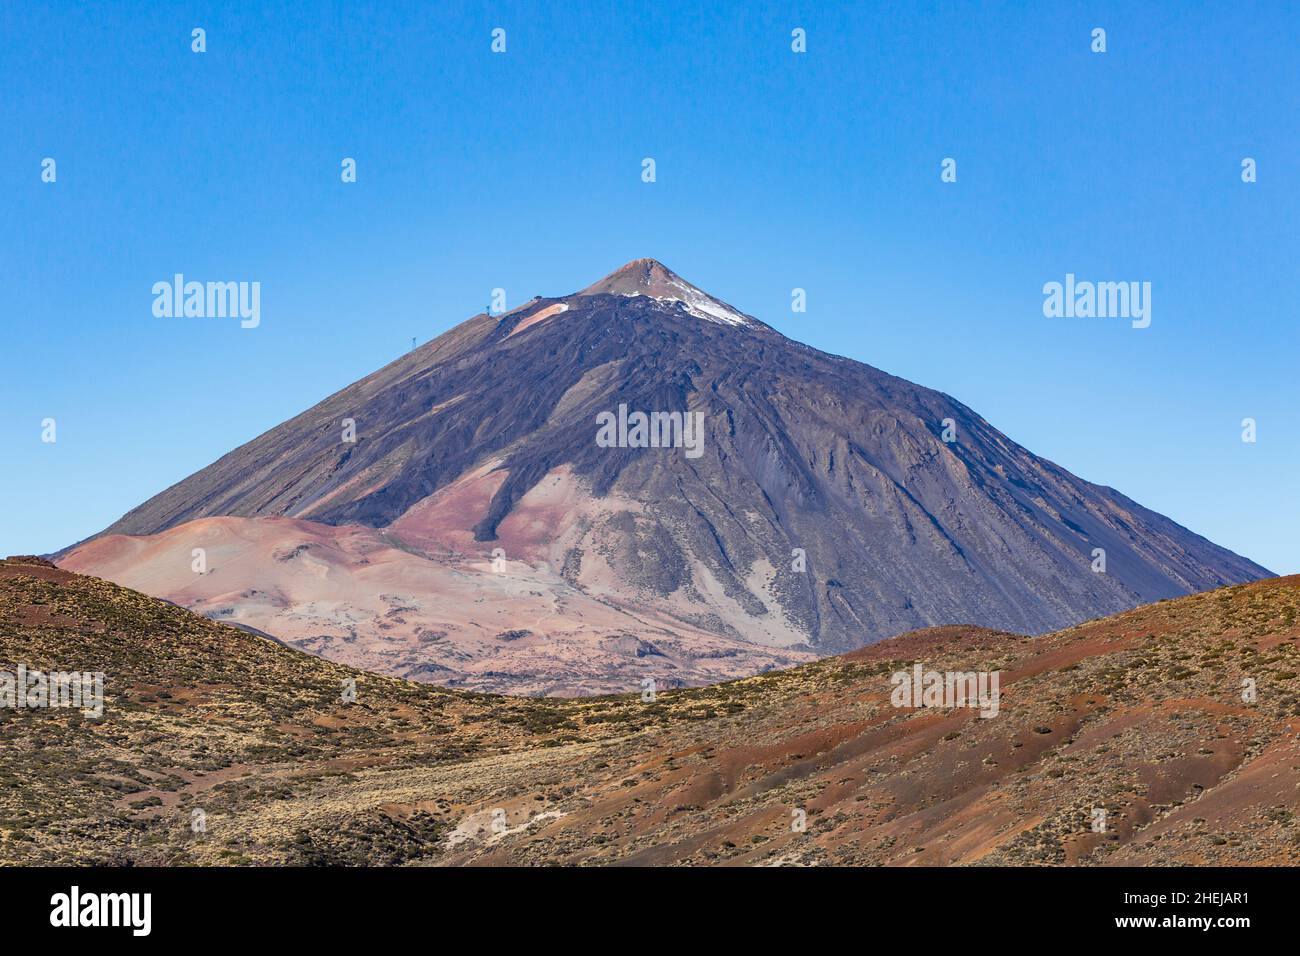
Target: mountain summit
{"points": [[640, 277], [654, 279], [458, 515]]}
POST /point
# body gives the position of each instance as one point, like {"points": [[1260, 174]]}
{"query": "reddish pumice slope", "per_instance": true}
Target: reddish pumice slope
{"points": [[373, 599], [1140, 715], [826, 507]]}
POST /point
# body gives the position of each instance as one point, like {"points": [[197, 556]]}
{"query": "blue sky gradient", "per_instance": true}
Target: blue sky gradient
{"points": [[775, 170]]}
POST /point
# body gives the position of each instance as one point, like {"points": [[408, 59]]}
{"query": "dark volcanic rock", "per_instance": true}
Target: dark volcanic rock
{"points": [[802, 450]]}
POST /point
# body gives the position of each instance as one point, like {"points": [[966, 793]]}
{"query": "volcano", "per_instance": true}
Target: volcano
{"points": [[452, 517]]}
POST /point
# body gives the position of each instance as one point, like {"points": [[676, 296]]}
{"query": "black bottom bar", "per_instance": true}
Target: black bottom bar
{"points": [[939, 905]]}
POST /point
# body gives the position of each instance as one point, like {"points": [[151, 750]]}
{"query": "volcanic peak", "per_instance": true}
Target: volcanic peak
{"points": [[652, 278]]}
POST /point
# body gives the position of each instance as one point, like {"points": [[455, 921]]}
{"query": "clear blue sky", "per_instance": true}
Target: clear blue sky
{"points": [[775, 170]]}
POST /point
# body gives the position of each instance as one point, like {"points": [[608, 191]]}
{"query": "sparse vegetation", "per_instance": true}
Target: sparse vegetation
{"points": [[1142, 714]]}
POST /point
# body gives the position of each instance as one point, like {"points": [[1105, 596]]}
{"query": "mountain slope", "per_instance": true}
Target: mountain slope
{"points": [[486, 438], [363, 598], [1140, 715]]}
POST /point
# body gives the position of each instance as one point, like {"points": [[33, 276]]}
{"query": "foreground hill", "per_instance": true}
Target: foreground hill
{"points": [[827, 505], [1140, 714]]}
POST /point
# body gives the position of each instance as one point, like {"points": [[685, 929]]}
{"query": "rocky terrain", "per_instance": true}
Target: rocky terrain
{"points": [[360, 597], [830, 505], [1141, 715]]}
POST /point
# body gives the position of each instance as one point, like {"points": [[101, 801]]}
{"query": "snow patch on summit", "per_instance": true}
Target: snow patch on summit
{"points": [[703, 306], [651, 278]]}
